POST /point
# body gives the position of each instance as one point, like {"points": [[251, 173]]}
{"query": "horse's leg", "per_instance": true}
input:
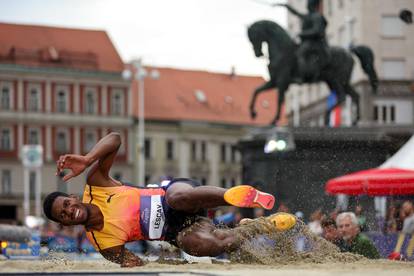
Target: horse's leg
{"points": [[355, 99], [267, 85], [281, 88]]}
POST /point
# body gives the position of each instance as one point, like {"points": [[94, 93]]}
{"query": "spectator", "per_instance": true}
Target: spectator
{"points": [[283, 208], [362, 220], [353, 240], [391, 224], [330, 231], [315, 222], [408, 210]]}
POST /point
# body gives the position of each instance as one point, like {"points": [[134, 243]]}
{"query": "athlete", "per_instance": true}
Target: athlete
{"points": [[114, 214]]}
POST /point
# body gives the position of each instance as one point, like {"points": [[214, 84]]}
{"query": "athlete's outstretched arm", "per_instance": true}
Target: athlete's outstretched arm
{"points": [[122, 256], [103, 152]]}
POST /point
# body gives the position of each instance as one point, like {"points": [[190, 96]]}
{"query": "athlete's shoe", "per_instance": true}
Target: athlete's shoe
{"points": [[282, 221], [247, 196]]}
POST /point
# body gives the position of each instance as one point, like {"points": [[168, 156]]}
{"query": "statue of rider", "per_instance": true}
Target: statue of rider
{"points": [[313, 54]]}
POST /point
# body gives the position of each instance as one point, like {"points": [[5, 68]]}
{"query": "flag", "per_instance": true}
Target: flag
{"points": [[336, 113]]}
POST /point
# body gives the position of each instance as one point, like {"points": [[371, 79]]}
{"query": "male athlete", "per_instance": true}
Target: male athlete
{"points": [[114, 214]]}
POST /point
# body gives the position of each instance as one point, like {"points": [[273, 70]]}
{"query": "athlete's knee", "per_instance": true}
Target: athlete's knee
{"points": [[179, 197]]}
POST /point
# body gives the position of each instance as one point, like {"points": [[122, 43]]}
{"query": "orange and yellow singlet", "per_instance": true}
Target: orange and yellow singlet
{"points": [[129, 213]]}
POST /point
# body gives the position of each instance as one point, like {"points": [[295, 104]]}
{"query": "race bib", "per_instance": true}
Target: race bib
{"points": [[152, 217]]}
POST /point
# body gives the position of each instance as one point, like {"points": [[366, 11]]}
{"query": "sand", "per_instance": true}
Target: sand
{"points": [[261, 253], [364, 267]]}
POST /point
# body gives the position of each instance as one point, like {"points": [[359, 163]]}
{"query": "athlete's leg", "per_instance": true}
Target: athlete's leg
{"points": [[182, 196], [204, 239]]}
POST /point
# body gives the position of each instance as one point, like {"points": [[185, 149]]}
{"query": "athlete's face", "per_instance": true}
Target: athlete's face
{"points": [[69, 210]]}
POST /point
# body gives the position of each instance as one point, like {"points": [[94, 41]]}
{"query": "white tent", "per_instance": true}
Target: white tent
{"points": [[403, 158]]}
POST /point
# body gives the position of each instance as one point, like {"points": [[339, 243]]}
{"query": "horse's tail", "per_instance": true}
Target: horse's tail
{"points": [[366, 58]]}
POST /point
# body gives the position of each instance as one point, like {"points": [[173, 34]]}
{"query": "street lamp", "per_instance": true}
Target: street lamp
{"points": [[279, 139], [139, 73]]}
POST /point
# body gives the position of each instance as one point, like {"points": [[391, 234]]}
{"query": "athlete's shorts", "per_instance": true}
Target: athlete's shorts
{"points": [[158, 220]]}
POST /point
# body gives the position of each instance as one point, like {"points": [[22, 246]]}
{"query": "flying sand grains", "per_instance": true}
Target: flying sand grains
{"points": [[260, 243]]}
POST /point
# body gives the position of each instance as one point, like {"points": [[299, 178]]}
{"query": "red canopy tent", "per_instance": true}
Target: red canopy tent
{"points": [[394, 177], [374, 182]]}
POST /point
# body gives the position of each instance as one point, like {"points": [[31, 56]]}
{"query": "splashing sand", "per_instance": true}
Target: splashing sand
{"points": [[261, 244]]}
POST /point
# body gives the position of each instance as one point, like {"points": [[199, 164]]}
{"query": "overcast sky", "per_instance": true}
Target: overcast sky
{"points": [[197, 34]]}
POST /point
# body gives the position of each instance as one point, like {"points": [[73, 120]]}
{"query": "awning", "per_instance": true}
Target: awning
{"points": [[374, 182]]}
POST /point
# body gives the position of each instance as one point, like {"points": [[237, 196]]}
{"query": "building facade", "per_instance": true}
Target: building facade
{"points": [[62, 89], [193, 122], [377, 25]]}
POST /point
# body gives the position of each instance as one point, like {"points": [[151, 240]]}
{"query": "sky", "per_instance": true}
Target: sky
{"points": [[191, 34]]}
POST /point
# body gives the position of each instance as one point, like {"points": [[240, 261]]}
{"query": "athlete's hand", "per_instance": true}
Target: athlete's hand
{"points": [[132, 262], [73, 162]]}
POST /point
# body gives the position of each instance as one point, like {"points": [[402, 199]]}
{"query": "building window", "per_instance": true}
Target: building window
{"points": [[34, 100], [329, 7], [90, 141], [392, 113], [33, 137], [61, 142], [233, 154], [392, 26], [170, 150], [393, 69], [341, 36], [90, 102], [203, 151], [32, 184], [61, 102], [223, 153], [223, 183], [147, 148], [116, 103], [385, 113], [6, 182], [6, 139], [193, 151], [62, 186], [5, 98]]}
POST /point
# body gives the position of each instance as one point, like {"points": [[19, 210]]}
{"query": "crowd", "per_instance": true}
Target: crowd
{"points": [[346, 229]]}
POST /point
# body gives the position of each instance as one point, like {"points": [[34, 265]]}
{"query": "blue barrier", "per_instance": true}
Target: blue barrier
{"points": [[396, 242], [29, 250]]}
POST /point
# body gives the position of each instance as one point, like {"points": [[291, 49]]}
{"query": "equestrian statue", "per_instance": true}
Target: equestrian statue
{"points": [[311, 61]]}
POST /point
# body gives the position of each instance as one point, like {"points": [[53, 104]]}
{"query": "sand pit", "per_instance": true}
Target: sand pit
{"points": [[262, 252], [365, 267]]}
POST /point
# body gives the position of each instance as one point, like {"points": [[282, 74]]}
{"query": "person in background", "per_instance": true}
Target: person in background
{"points": [[408, 210], [330, 232], [362, 219], [353, 240], [390, 225], [315, 222]]}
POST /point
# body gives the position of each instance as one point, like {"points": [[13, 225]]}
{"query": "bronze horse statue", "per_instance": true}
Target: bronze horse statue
{"points": [[283, 67]]}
